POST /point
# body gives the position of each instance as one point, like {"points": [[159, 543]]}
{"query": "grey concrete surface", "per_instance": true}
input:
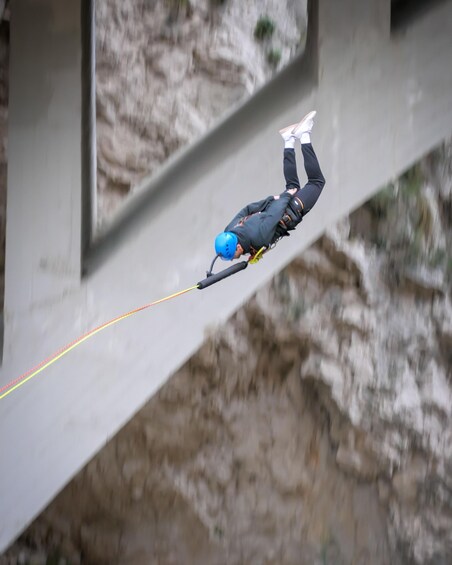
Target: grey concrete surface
{"points": [[43, 257], [383, 100]]}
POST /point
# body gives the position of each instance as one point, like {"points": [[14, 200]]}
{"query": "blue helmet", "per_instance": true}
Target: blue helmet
{"points": [[226, 244]]}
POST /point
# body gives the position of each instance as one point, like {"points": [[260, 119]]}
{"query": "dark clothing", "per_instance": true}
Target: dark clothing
{"points": [[316, 181], [262, 223], [255, 225]]}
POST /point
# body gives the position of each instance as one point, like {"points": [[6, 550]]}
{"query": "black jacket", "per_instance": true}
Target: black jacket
{"points": [[256, 224]]}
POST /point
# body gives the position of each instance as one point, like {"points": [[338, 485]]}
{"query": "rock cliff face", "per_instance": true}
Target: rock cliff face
{"points": [[315, 427], [168, 69]]}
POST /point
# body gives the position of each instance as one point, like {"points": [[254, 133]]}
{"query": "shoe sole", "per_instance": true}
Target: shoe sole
{"points": [[309, 116], [288, 128]]}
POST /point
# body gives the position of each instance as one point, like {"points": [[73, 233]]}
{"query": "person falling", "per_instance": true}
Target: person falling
{"points": [[262, 224]]}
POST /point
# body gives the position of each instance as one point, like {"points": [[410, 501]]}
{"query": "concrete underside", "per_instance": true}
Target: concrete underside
{"points": [[383, 101]]}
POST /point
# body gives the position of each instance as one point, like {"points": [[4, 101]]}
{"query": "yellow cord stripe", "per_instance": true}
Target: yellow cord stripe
{"points": [[14, 385]]}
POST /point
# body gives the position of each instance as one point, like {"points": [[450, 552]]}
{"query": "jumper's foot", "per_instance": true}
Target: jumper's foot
{"points": [[302, 130]]}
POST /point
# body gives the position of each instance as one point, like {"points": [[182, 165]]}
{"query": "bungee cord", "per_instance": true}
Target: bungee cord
{"points": [[25, 377], [210, 279]]}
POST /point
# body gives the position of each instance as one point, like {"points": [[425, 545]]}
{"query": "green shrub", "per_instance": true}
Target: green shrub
{"points": [[264, 28], [274, 57], [411, 181]]}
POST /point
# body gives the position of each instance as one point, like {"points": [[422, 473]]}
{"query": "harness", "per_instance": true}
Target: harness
{"points": [[257, 255], [293, 214], [243, 220]]}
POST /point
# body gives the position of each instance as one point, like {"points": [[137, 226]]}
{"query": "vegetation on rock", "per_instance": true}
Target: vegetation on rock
{"points": [[264, 29]]}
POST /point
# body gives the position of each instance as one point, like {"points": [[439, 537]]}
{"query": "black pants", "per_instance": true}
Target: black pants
{"points": [[313, 188]]}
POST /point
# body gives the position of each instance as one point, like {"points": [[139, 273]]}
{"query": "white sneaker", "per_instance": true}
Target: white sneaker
{"points": [[288, 136], [287, 133], [303, 129]]}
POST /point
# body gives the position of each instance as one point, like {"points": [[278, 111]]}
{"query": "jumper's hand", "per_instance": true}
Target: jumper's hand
{"points": [[291, 191]]}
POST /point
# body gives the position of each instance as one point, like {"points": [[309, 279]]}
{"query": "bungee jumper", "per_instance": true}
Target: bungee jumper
{"points": [[254, 230], [260, 225]]}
